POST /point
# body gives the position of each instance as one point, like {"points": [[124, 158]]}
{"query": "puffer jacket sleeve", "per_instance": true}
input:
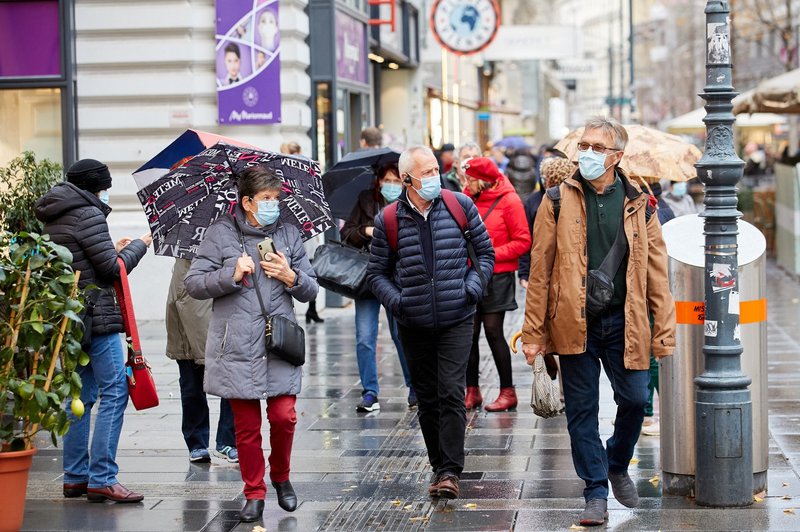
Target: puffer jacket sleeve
{"points": [[380, 271], [659, 297], [91, 233], [519, 239], [210, 276], [305, 286], [483, 249]]}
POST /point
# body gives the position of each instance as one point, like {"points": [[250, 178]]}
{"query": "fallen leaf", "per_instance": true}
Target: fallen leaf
{"points": [[407, 507], [756, 498], [789, 511], [259, 529], [577, 527], [470, 505], [477, 487], [655, 480], [634, 461], [397, 502], [785, 484], [423, 519], [786, 498]]}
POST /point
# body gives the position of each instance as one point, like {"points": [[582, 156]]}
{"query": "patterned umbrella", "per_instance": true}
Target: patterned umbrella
{"points": [[182, 204], [650, 154]]}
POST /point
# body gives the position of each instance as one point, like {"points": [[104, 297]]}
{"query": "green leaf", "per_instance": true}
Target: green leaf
{"points": [[63, 254], [71, 315], [68, 278], [83, 360], [41, 398], [37, 261], [54, 439], [75, 380]]}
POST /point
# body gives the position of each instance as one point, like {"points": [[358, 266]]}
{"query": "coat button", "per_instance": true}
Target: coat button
{"points": [[264, 357], [264, 394]]}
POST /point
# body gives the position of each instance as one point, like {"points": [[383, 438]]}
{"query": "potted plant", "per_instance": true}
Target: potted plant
{"points": [[39, 333]]}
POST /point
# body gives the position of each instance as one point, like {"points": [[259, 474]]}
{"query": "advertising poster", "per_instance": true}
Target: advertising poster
{"points": [[351, 49], [248, 62]]}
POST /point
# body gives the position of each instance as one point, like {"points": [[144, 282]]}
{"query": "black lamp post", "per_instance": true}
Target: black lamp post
{"points": [[724, 417]]}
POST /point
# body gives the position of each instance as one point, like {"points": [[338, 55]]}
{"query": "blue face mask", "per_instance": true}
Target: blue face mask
{"points": [[103, 196], [391, 191], [268, 212], [679, 189], [591, 164], [431, 187]]}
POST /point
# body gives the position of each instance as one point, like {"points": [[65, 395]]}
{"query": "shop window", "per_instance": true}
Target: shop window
{"points": [[31, 120], [324, 125]]}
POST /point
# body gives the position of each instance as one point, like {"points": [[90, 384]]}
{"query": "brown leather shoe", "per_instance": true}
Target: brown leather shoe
{"points": [[75, 490], [433, 489], [116, 492], [447, 487]]}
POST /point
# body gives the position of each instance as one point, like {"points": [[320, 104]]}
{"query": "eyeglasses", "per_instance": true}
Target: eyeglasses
{"points": [[597, 148]]}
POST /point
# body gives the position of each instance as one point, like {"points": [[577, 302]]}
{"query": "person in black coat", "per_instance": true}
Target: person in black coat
{"points": [[357, 232], [74, 214], [429, 284]]}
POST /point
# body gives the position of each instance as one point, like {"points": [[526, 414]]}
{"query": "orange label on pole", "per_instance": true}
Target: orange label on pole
{"points": [[694, 312]]}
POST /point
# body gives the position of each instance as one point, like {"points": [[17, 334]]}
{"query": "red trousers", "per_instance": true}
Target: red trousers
{"points": [[247, 421]]}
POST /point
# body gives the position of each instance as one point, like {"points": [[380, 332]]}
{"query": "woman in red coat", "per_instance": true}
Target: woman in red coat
{"points": [[504, 217]]}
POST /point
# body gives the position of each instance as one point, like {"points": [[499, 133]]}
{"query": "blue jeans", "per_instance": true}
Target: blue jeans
{"points": [[367, 316], [581, 375], [194, 408], [103, 377]]}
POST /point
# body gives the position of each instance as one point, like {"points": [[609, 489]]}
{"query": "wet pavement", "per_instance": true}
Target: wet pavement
{"points": [[369, 471]]}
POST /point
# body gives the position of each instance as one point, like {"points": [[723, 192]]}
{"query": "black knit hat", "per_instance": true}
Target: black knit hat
{"points": [[90, 175]]}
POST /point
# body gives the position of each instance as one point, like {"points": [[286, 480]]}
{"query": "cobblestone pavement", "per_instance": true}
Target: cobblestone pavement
{"points": [[369, 471]]}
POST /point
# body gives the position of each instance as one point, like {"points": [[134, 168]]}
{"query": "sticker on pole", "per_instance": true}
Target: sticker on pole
{"points": [[711, 328], [722, 278], [733, 303]]}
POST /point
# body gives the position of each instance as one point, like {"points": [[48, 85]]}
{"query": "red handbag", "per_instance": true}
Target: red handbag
{"points": [[141, 386]]}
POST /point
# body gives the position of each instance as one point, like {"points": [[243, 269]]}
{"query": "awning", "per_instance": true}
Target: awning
{"points": [[780, 94]]}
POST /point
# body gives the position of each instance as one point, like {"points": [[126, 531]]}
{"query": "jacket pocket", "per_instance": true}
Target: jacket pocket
{"points": [[224, 343], [552, 299]]}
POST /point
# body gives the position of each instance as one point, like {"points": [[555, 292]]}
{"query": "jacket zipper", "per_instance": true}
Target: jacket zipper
{"points": [[433, 272]]}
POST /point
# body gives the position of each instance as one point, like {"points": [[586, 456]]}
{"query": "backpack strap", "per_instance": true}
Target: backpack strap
{"points": [[458, 214], [390, 222], [554, 193]]}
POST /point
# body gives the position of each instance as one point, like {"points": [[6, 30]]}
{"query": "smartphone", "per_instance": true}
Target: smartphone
{"points": [[266, 246]]}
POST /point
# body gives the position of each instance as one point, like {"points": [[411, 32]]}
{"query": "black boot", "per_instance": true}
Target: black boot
{"points": [[252, 511], [287, 499], [311, 313]]}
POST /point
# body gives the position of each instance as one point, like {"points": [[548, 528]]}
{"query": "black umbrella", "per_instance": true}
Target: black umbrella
{"points": [[182, 204], [354, 173]]}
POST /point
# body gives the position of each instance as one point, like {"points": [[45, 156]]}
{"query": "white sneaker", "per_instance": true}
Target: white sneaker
{"points": [[651, 427]]}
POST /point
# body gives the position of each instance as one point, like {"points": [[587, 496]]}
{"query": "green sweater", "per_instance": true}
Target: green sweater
{"points": [[603, 216]]}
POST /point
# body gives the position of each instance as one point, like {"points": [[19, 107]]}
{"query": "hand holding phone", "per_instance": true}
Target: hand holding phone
{"points": [[266, 246]]}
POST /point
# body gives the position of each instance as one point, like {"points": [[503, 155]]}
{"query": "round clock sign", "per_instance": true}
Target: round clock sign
{"points": [[465, 26]]}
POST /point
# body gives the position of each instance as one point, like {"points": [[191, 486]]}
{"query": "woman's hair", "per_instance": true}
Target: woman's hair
{"points": [[554, 170], [383, 170], [292, 148], [257, 178]]}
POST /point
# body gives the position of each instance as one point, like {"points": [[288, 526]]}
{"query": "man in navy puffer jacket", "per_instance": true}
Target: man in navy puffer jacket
{"points": [[432, 289]]}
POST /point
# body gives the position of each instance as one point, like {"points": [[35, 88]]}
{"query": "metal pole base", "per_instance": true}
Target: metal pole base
{"points": [[683, 485], [724, 475]]}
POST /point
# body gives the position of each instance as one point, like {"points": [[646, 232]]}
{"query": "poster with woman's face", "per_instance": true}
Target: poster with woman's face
{"points": [[248, 62]]}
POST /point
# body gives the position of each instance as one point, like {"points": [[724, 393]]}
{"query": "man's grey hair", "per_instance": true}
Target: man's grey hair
{"points": [[406, 162], [611, 126], [467, 145]]}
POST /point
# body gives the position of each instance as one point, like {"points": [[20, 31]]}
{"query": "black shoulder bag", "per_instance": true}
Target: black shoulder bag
{"points": [[283, 336], [600, 282]]}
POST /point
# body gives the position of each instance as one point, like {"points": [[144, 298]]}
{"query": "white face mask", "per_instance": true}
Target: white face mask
{"points": [[103, 196]]}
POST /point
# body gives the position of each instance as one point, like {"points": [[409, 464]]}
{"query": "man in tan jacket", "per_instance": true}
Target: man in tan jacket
{"points": [[573, 234]]}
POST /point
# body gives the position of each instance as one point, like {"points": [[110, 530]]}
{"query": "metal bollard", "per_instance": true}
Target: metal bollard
{"points": [[684, 240]]}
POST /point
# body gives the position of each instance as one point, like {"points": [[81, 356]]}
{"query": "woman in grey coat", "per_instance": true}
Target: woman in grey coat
{"points": [[238, 367]]}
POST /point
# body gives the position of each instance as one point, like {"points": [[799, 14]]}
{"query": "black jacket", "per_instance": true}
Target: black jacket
{"points": [[77, 219], [430, 283]]}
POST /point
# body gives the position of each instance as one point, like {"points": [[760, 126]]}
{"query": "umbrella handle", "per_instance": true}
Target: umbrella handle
{"points": [[513, 342]]}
